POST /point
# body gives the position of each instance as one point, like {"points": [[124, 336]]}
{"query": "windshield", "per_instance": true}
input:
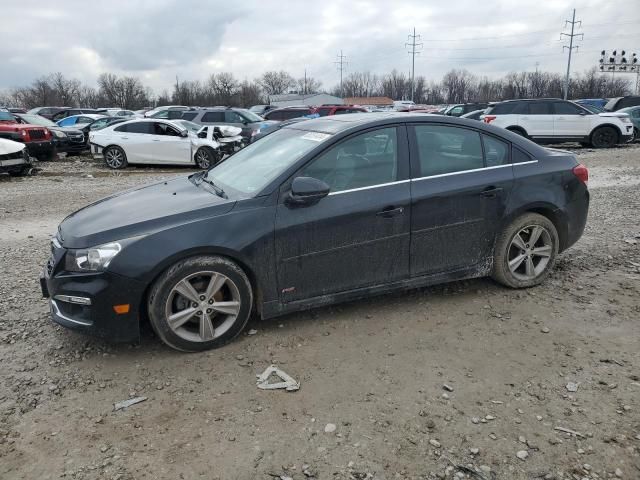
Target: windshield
{"points": [[38, 120], [252, 168], [192, 127], [250, 116]]}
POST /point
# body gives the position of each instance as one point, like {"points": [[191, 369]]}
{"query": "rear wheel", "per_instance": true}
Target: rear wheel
{"points": [[525, 251], [518, 131], [200, 303], [604, 137], [115, 157]]}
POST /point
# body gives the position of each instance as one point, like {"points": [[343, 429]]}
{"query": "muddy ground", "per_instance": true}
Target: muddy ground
{"points": [[375, 369]]}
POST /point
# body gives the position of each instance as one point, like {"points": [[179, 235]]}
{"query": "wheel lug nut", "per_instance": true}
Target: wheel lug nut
{"points": [[198, 312], [209, 310], [202, 297], [194, 305], [210, 302]]}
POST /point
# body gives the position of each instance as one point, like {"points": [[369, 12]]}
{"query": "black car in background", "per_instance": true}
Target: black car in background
{"points": [[287, 113], [321, 211], [615, 104], [67, 112], [463, 108], [65, 139], [46, 112]]}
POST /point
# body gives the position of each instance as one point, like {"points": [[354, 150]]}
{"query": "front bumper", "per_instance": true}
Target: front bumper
{"points": [[35, 149], [69, 145], [85, 301]]}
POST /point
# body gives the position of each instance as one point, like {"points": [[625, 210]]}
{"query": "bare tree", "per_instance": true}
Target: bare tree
{"points": [[307, 85], [276, 83]]}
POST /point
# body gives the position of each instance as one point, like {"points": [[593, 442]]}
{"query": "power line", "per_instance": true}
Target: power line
{"points": [[413, 53], [341, 63], [571, 35]]}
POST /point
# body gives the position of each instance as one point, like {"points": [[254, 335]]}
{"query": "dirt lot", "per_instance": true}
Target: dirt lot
{"points": [[375, 369]]}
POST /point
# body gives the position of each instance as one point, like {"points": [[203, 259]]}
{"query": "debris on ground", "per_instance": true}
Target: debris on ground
{"points": [[127, 403], [288, 382]]}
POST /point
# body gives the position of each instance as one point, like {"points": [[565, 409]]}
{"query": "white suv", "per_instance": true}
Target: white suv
{"points": [[556, 121]]}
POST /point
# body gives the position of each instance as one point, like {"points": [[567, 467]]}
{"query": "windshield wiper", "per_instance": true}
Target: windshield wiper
{"points": [[202, 177]]}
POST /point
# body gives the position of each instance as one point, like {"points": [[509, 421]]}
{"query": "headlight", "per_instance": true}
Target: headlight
{"points": [[625, 119], [94, 259], [59, 134]]}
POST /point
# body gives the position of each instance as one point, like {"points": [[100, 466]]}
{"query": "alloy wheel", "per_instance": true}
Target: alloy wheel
{"points": [[203, 159], [604, 137], [202, 306], [529, 252], [114, 158]]}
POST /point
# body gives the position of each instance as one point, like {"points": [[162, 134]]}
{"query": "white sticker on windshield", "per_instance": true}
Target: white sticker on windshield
{"points": [[316, 136]]}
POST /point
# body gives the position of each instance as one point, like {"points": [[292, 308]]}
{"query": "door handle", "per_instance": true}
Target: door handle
{"points": [[389, 212], [491, 192], [124, 138], [155, 140]]}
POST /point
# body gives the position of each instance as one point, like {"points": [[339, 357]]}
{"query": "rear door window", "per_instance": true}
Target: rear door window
{"points": [[445, 149], [540, 108], [213, 117], [189, 115]]}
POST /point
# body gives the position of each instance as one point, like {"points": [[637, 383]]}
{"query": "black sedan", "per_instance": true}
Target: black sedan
{"points": [[66, 139], [322, 211]]}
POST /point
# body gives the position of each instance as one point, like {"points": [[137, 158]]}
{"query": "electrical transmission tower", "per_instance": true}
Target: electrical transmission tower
{"points": [[571, 35], [413, 52], [341, 63]]}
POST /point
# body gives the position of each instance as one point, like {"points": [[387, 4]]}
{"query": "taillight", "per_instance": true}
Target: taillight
{"points": [[489, 118], [582, 173]]}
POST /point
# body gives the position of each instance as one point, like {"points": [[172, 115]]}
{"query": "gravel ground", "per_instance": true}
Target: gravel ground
{"points": [[465, 380]]}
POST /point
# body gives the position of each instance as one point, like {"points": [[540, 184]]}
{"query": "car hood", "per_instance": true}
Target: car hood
{"points": [[613, 114], [141, 211], [65, 129], [9, 146], [263, 123]]}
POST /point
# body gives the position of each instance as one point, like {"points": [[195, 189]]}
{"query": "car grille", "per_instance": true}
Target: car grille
{"points": [[50, 265], [37, 134], [76, 137], [14, 155]]}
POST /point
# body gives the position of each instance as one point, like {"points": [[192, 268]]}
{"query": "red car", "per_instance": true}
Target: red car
{"points": [[326, 110], [38, 139]]}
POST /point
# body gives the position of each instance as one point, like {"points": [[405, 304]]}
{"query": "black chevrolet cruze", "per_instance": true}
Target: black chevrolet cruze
{"points": [[322, 211]]}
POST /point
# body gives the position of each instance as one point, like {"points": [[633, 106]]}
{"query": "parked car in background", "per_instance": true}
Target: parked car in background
{"points": [[46, 112], [462, 108], [152, 141], [400, 105], [16, 110], [77, 120], [14, 158], [38, 139], [596, 102], [103, 122], [327, 110], [622, 102], [262, 109], [277, 126], [65, 139], [117, 112], [163, 112], [228, 137], [68, 112], [287, 113], [555, 121], [474, 115], [249, 123], [294, 220], [634, 114]]}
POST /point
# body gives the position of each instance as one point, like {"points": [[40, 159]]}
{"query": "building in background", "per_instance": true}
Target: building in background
{"points": [[370, 102], [312, 100]]}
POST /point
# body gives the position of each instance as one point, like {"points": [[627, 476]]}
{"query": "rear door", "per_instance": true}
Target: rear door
{"points": [[461, 182], [357, 236], [537, 119], [570, 120]]}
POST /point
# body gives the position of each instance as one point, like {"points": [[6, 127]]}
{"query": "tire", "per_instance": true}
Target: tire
{"points": [[114, 157], [533, 268], [604, 137], [184, 327], [205, 158], [636, 135]]}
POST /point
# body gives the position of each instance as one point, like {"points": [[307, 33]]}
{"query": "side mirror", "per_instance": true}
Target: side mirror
{"points": [[307, 191], [184, 133]]}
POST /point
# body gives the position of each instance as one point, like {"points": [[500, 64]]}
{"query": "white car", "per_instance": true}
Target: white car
{"points": [[557, 121], [163, 112], [14, 158], [153, 141], [118, 112]]}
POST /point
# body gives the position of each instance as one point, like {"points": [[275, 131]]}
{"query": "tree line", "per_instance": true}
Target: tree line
{"points": [[456, 86]]}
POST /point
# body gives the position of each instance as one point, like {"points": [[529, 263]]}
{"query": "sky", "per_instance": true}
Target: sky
{"points": [[156, 40]]}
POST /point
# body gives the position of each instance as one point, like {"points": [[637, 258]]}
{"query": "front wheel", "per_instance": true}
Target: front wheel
{"points": [[200, 303], [604, 137], [205, 158], [115, 157], [636, 135], [525, 251]]}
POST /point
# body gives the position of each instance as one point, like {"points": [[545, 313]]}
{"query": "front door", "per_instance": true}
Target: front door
{"points": [[167, 146], [461, 181], [570, 120], [358, 235]]}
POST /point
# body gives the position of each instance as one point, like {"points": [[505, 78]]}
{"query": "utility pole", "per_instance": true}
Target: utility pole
{"points": [[341, 63], [304, 91], [413, 53], [573, 23]]}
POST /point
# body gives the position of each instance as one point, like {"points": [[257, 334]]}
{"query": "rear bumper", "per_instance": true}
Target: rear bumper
{"points": [[84, 302], [576, 212]]}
